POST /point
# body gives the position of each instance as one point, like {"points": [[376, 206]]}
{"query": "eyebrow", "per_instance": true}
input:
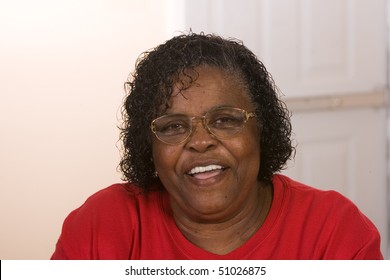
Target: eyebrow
{"points": [[167, 112]]}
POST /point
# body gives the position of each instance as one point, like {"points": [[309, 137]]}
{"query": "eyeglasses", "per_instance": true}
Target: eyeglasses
{"points": [[223, 123]]}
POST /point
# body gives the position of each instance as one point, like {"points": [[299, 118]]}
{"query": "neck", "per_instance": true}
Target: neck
{"points": [[222, 237]]}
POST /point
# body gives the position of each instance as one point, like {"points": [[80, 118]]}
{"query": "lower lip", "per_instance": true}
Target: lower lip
{"points": [[207, 178]]}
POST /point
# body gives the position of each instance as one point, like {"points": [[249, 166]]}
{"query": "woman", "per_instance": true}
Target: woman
{"points": [[204, 135]]}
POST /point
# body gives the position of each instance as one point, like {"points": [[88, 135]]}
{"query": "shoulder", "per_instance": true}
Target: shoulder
{"points": [[116, 200], [301, 197], [296, 191], [331, 218], [106, 224], [113, 194]]}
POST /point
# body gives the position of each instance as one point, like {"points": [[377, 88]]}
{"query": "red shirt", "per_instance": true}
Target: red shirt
{"points": [[122, 222]]}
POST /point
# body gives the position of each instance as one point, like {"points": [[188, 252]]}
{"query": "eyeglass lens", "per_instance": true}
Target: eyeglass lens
{"points": [[221, 122]]}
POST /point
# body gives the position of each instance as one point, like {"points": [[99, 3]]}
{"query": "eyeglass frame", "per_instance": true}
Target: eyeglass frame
{"points": [[247, 116]]}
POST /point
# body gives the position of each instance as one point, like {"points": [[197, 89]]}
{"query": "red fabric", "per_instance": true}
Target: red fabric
{"points": [[303, 223]]}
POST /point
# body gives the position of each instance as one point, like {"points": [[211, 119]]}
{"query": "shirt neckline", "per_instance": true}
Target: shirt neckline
{"points": [[191, 251]]}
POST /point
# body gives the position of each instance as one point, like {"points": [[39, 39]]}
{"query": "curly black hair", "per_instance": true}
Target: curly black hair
{"points": [[150, 87]]}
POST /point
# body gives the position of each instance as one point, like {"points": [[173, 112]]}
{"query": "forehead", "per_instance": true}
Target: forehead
{"points": [[208, 87]]}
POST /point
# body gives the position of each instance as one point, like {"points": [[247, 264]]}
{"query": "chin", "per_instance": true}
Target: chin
{"points": [[209, 210]]}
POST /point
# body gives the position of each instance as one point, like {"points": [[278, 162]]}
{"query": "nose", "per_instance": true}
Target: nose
{"points": [[200, 139]]}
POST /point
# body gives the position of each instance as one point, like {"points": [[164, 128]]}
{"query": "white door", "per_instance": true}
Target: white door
{"points": [[328, 57]]}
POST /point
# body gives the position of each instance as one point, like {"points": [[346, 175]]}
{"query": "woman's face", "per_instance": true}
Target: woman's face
{"points": [[221, 193]]}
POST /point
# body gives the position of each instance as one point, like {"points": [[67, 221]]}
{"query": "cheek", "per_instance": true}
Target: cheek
{"points": [[248, 152], [164, 157]]}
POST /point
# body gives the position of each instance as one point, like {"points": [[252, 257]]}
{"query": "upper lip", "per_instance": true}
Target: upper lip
{"points": [[207, 168]]}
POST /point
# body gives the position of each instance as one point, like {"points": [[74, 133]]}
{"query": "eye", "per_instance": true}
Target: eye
{"points": [[225, 121], [172, 127]]}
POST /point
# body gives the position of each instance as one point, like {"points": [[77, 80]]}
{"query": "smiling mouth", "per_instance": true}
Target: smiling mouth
{"points": [[205, 172]]}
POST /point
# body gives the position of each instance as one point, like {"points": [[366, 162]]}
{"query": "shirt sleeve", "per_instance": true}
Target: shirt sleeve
{"points": [[101, 228], [59, 253]]}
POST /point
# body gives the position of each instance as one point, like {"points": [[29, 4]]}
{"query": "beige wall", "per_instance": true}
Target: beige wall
{"points": [[62, 68]]}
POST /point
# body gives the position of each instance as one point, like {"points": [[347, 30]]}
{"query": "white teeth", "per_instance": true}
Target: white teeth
{"points": [[200, 169]]}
